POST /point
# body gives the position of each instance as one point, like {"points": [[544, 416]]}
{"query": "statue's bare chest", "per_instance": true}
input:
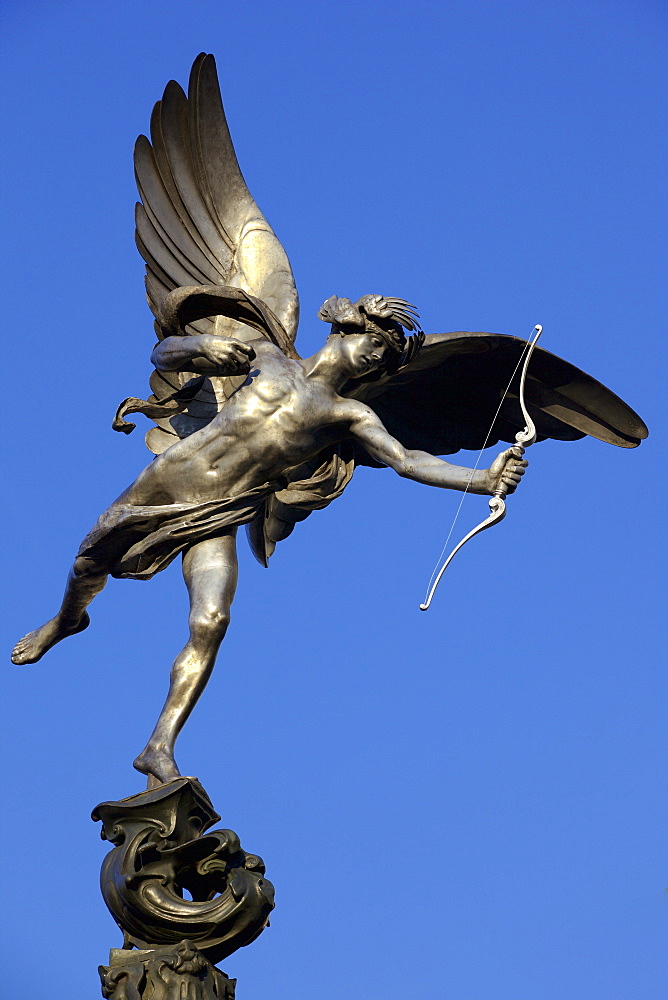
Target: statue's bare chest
{"points": [[278, 394]]}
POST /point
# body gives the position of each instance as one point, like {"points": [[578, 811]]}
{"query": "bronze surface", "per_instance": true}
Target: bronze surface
{"points": [[247, 432]]}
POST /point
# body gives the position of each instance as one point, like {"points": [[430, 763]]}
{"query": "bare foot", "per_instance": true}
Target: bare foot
{"points": [[157, 763], [34, 645]]}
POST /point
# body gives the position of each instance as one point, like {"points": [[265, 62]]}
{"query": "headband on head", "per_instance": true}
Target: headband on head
{"points": [[386, 317]]}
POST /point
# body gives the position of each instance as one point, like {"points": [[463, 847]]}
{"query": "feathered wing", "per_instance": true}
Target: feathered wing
{"points": [[199, 229], [446, 398]]}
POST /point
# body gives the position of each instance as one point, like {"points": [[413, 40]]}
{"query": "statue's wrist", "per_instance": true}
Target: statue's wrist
{"points": [[203, 344], [482, 482]]}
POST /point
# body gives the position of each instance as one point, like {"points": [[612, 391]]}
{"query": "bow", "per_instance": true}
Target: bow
{"points": [[497, 503]]}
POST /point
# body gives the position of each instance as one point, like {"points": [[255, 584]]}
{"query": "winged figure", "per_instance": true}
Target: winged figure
{"points": [[248, 433]]}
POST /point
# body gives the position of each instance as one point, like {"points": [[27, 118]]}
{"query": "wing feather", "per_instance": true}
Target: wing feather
{"points": [[154, 269], [164, 207], [156, 292], [175, 133], [167, 177], [164, 204], [220, 176], [163, 252], [186, 251]]}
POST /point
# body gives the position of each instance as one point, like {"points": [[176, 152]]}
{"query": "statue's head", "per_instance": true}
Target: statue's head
{"points": [[376, 327]]}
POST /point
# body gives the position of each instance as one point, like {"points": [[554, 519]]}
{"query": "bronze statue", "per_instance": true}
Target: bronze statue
{"points": [[249, 433]]}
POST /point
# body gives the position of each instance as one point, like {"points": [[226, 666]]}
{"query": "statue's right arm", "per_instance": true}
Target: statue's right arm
{"points": [[204, 354], [364, 424]]}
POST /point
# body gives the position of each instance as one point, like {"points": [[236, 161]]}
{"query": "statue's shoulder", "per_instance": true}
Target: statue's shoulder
{"points": [[265, 349], [271, 358], [342, 411]]}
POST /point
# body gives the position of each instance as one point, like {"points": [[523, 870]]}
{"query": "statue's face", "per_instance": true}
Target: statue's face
{"points": [[363, 352]]}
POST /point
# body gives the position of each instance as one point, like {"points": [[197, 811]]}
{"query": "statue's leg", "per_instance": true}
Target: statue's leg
{"points": [[86, 579], [210, 572]]}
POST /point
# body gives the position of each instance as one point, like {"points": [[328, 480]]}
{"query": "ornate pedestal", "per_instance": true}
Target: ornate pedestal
{"points": [[180, 972], [184, 897]]}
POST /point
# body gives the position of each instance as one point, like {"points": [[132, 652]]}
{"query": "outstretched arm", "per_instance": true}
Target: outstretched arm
{"points": [[204, 353], [507, 468]]}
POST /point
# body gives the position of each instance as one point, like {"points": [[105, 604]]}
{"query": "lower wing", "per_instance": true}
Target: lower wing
{"points": [[447, 398]]}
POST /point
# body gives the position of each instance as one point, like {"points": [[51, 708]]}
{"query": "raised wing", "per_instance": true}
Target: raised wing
{"points": [[446, 398], [198, 225]]}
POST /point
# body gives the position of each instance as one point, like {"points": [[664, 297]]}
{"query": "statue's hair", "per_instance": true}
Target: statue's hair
{"points": [[376, 314]]}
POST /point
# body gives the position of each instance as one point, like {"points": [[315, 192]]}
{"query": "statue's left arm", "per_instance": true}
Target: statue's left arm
{"points": [[367, 428], [204, 353]]}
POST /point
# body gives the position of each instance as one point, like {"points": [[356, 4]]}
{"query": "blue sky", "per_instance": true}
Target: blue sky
{"points": [[464, 804]]}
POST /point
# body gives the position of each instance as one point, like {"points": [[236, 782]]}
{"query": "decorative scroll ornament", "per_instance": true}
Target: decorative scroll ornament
{"points": [[162, 853], [497, 503]]}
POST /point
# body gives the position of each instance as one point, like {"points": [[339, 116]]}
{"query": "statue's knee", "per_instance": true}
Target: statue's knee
{"points": [[210, 622], [84, 568]]}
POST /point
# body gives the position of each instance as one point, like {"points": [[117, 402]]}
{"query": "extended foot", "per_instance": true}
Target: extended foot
{"points": [[157, 763], [34, 645]]}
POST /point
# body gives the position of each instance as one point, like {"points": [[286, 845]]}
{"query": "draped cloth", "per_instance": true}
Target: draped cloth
{"points": [[134, 542]]}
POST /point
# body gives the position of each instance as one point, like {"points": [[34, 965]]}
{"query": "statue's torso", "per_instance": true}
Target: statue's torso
{"points": [[274, 422]]}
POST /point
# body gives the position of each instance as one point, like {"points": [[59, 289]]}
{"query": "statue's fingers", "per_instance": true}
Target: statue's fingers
{"points": [[243, 352], [517, 468], [242, 362]]}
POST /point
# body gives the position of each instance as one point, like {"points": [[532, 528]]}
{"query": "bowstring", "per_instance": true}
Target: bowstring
{"points": [[436, 568]]}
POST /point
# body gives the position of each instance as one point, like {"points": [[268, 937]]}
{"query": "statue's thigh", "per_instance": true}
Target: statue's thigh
{"points": [[210, 571]]}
